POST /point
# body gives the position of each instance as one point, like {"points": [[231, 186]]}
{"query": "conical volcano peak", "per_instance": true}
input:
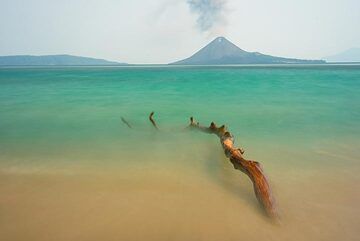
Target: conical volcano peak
{"points": [[217, 49], [220, 39], [222, 51]]}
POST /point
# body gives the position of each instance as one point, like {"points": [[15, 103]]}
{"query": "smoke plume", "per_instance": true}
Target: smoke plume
{"points": [[211, 13]]}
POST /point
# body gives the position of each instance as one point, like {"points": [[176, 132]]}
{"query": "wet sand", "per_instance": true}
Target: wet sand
{"points": [[164, 204]]}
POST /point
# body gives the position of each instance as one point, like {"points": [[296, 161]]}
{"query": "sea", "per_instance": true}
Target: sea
{"points": [[71, 169]]}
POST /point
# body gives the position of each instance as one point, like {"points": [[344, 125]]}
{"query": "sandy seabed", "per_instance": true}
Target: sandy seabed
{"points": [[157, 203]]}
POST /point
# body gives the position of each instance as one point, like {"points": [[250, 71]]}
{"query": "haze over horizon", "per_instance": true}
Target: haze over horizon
{"points": [[165, 31]]}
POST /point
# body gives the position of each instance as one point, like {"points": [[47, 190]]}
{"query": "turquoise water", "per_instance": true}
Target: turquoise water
{"points": [[45, 111], [67, 160]]}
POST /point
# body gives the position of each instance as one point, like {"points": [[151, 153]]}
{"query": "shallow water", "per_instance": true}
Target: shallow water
{"points": [[71, 170]]}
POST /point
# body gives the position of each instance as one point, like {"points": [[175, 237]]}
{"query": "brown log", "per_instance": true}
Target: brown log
{"points": [[251, 168], [152, 120]]}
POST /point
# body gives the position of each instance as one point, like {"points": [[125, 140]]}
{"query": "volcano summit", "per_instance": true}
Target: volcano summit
{"points": [[221, 51]]}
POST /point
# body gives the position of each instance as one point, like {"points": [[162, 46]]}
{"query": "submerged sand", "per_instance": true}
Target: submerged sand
{"points": [[161, 203]]}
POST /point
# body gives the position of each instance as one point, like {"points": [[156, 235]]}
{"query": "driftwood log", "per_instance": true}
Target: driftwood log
{"points": [[251, 168]]}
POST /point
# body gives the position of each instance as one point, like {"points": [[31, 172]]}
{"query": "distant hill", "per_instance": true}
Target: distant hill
{"points": [[350, 55], [19, 60], [222, 51]]}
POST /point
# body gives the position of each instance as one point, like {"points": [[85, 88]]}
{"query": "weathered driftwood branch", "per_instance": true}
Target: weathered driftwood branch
{"points": [[152, 120], [250, 168], [125, 122]]}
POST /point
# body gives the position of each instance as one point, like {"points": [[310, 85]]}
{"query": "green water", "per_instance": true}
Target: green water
{"points": [[71, 170], [72, 115]]}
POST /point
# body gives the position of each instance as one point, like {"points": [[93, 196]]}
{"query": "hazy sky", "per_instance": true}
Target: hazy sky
{"points": [[162, 31]]}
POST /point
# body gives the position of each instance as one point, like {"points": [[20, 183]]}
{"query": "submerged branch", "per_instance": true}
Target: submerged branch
{"points": [[251, 168], [125, 122], [152, 120]]}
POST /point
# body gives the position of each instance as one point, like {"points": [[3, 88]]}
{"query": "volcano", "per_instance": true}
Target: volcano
{"points": [[221, 51]]}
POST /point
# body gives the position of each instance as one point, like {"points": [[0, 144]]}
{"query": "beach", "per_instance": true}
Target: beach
{"points": [[71, 170]]}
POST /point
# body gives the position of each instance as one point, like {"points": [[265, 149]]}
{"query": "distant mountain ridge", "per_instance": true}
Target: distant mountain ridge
{"points": [[350, 55], [221, 51], [62, 60]]}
